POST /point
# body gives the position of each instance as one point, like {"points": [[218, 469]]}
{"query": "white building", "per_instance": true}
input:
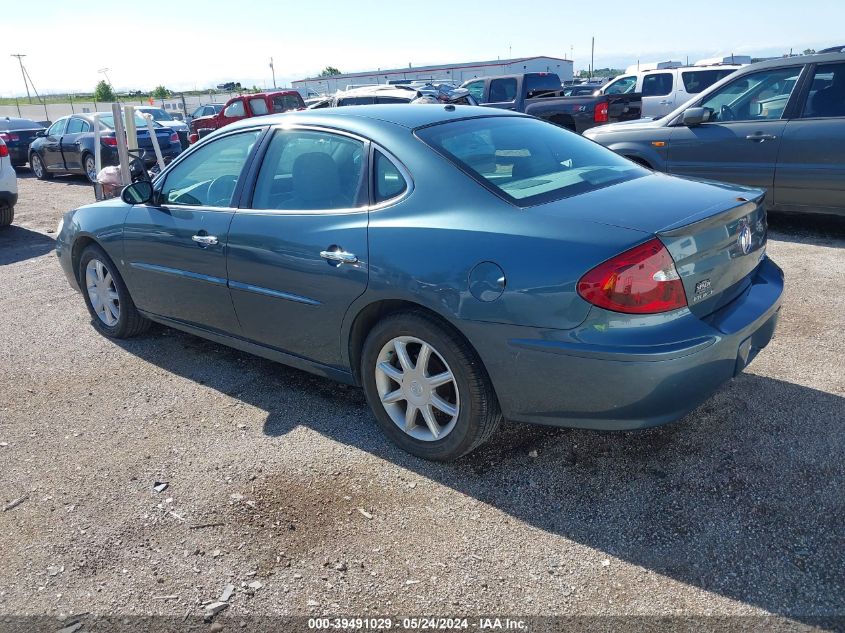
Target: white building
{"points": [[454, 73]]}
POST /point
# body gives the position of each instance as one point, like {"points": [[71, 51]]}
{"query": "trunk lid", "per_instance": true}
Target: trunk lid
{"points": [[716, 253], [162, 134]]}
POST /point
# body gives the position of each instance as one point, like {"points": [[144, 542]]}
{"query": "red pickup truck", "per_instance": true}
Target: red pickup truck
{"points": [[245, 106]]}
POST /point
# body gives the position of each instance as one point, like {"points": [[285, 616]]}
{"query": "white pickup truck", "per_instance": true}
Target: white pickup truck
{"points": [[667, 85]]}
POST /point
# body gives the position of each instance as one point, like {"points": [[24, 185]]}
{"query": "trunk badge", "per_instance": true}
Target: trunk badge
{"points": [[744, 237]]}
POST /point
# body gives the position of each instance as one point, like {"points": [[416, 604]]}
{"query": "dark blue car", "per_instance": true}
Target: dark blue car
{"points": [[460, 264]]}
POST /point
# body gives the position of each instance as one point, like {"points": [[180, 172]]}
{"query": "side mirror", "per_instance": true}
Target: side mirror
{"points": [[41, 133], [695, 116], [137, 192]]}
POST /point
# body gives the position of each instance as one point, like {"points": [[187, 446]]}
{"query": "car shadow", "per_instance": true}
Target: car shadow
{"points": [[18, 244], [815, 230], [742, 498], [74, 180]]}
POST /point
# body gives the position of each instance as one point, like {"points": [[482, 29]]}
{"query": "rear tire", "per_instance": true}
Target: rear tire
{"points": [[38, 168], [112, 310], [7, 214], [464, 388], [89, 166]]}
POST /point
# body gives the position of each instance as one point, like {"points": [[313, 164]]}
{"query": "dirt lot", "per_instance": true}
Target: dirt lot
{"points": [[736, 510]]}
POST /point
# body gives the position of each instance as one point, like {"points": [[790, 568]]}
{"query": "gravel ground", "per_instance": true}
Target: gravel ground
{"points": [[736, 510]]}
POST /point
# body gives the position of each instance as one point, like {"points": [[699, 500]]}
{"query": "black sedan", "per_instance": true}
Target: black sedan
{"points": [[18, 134], [67, 147]]}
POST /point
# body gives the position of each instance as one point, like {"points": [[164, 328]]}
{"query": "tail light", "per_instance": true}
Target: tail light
{"points": [[600, 113], [110, 141], [642, 280], [193, 138], [9, 137], [4, 151], [174, 139]]}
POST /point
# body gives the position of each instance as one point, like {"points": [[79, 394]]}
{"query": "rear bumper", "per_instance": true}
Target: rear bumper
{"points": [[616, 372], [8, 198], [19, 155]]}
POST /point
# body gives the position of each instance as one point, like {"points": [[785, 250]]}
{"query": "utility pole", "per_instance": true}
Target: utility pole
{"points": [[273, 70], [593, 58], [105, 72], [23, 74]]}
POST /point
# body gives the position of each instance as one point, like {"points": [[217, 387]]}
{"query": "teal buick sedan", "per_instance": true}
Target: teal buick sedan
{"points": [[461, 264]]}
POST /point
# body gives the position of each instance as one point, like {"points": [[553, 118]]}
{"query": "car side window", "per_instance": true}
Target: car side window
{"points": [[207, 177], [309, 170], [258, 107], [657, 84], [476, 89], [58, 128], [502, 90], [235, 109], [389, 181], [86, 127], [74, 126], [621, 86], [756, 96], [827, 93]]}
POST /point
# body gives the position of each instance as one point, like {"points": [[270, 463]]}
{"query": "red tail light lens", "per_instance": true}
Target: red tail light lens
{"points": [[174, 138], [642, 280], [193, 138], [8, 136], [600, 114], [4, 151], [111, 141]]}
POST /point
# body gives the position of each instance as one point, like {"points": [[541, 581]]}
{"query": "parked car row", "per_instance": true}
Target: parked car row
{"points": [[778, 125]]}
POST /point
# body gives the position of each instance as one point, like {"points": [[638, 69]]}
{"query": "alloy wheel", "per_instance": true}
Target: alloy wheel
{"points": [[102, 292], [37, 166], [91, 168], [417, 388]]}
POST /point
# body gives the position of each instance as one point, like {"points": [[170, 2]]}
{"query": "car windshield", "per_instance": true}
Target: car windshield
{"points": [[528, 161], [108, 121]]}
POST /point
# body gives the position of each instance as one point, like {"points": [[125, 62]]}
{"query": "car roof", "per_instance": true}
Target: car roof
{"points": [[404, 115], [19, 124]]}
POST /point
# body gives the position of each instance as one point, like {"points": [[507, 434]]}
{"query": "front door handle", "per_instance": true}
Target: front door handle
{"points": [[759, 136], [339, 256], [205, 240]]}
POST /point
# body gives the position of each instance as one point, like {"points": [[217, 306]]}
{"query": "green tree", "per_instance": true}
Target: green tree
{"points": [[160, 92], [809, 51], [104, 93], [328, 71]]}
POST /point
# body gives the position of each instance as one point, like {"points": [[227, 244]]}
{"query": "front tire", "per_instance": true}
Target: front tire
{"points": [[7, 214], [427, 387], [112, 310], [38, 168]]}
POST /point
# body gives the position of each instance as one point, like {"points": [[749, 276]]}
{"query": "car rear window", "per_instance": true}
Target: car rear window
{"points": [[527, 161], [19, 124]]}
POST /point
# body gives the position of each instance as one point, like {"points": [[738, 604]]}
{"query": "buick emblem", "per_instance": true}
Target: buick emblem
{"points": [[744, 238]]}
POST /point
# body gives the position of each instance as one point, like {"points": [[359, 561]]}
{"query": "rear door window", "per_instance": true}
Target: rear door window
{"points": [[827, 93], [258, 107], [74, 126], [657, 85], [283, 103]]}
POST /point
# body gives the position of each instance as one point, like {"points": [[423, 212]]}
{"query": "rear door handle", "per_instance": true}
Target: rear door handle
{"points": [[205, 240], [759, 136], [339, 256]]}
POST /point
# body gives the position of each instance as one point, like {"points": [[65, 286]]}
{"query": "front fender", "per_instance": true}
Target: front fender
{"points": [[645, 152]]}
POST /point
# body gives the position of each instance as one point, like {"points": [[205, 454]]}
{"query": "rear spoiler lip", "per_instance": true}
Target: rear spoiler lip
{"points": [[742, 205]]}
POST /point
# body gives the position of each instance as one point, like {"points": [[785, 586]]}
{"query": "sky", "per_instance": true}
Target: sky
{"points": [[198, 44]]}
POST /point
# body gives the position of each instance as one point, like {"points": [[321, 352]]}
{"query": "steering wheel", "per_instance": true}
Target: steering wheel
{"points": [[220, 190], [726, 114]]}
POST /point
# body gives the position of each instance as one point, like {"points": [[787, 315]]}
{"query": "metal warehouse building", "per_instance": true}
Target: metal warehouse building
{"points": [[457, 73]]}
